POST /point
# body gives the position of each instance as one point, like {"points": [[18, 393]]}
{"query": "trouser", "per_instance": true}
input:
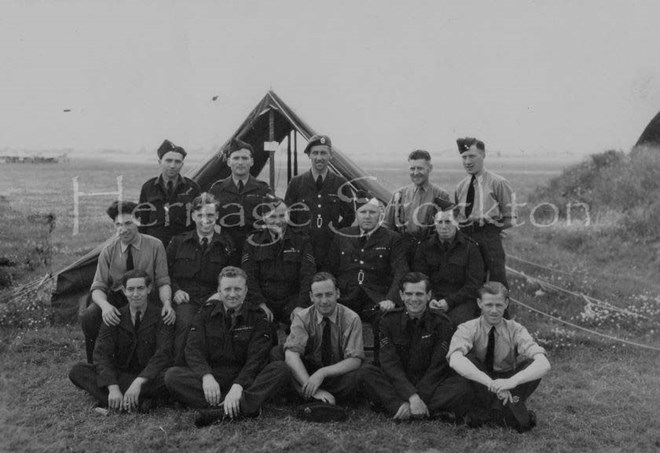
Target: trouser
{"points": [[492, 251], [452, 394], [186, 386], [84, 376], [343, 388], [464, 312], [90, 318]]}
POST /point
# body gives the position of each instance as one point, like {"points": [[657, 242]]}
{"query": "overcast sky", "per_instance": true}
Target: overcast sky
{"points": [[377, 76]]}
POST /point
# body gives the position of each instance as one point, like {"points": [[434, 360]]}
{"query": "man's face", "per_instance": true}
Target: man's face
{"points": [[415, 297], [320, 155], [419, 171], [137, 291], [492, 307], [205, 219], [232, 291], [368, 216], [240, 163], [473, 160], [324, 296], [127, 227], [170, 165], [276, 220], [445, 225]]}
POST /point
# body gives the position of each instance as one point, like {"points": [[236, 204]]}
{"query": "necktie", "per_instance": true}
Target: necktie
{"points": [[241, 186], [130, 265], [319, 183], [205, 245], [138, 320], [326, 343], [469, 202], [229, 318], [170, 189], [362, 241], [490, 351]]}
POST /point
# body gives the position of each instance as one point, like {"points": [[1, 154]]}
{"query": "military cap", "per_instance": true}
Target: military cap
{"points": [[318, 140], [168, 146], [363, 197], [236, 144], [465, 143]]}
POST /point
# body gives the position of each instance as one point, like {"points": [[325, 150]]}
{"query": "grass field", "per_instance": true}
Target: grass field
{"points": [[601, 395]]}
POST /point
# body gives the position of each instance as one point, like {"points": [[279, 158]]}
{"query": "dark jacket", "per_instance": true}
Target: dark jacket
{"points": [[195, 272], [164, 216], [241, 350], [119, 349], [382, 263], [280, 270], [412, 355], [320, 212], [456, 272]]}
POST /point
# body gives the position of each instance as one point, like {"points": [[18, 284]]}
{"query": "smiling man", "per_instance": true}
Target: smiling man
{"points": [[501, 359], [226, 354], [128, 250], [414, 379], [164, 209]]}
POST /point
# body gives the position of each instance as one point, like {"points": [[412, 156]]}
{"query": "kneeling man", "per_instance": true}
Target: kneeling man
{"points": [[501, 359], [130, 358], [414, 379], [226, 352]]}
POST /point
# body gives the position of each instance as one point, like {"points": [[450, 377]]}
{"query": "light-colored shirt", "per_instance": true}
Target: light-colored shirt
{"points": [[410, 207], [307, 334], [148, 255], [512, 341], [493, 199]]}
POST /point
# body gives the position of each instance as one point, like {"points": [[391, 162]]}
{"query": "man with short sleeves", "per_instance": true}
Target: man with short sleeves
{"points": [[501, 359]]}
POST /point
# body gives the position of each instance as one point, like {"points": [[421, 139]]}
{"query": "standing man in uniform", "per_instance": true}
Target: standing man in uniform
{"points": [[455, 269], [130, 358], [414, 379], [501, 359], [129, 250], [195, 259], [164, 209], [317, 199], [279, 263], [411, 209], [227, 356], [239, 194], [485, 206]]}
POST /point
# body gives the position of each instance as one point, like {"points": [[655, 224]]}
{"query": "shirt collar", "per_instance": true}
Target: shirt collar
{"points": [[235, 180], [316, 174], [176, 182], [200, 237], [332, 316], [135, 243], [425, 187], [498, 328]]}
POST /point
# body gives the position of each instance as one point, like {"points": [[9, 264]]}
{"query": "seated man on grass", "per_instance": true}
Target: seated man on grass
{"points": [[227, 376], [130, 357], [414, 379], [501, 359]]}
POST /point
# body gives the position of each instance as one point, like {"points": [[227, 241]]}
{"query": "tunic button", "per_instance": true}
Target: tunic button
{"points": [[319, 206], [361, 262], [319, 195]]}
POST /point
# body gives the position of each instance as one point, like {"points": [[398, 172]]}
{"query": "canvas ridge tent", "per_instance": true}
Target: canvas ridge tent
{"points": [[270, 121]]}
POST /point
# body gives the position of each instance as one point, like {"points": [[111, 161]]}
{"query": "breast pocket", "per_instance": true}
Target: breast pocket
{"points": [[241, 341]]}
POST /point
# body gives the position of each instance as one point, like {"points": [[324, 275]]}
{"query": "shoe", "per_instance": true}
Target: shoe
{"points": [[532, 419], [206, 417], [476, 418], [321, 412], [444, 416], [521, 418]]}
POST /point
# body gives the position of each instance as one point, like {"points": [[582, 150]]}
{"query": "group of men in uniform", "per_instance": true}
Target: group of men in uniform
{"points": [[190, 293]]}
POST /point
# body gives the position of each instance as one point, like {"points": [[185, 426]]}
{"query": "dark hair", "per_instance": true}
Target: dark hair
{"points": [[322, 277], [419, 154], [494, 288], [121, 207], [135, 273], [415, 277], [202, 200], [232, 272], [236, 145]]}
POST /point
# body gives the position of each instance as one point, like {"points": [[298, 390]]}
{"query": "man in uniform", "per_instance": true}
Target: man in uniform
{"points": [[501, 359], [411, 209], [414, 379], [130, 358], [279, 263], [227, 353], [129, 250], [317, 198], [325, 348], [195, 259], [455, 268], [485, 206], [239, 194], [164, 209]]}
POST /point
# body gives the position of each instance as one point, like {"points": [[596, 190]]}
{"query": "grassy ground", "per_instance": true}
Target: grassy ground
{"points": [[600, 395]]}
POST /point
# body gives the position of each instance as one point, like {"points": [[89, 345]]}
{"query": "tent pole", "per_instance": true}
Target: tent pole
{"points": [[288, 158], [295, 153], [271, 138]]}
